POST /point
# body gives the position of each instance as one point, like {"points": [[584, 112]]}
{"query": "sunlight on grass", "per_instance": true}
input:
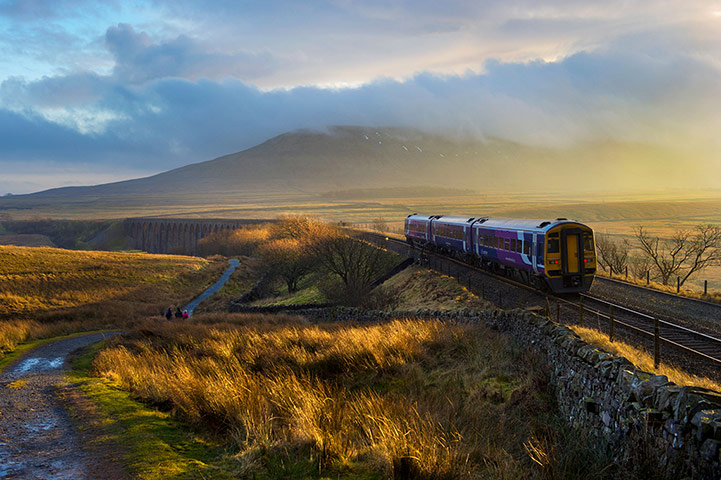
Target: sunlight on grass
{"points": [[339, 400], [47, 292], [643, 360]]}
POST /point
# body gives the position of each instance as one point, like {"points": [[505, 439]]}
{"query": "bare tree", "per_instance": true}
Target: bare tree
{"points": [[380, 225], [612, 255], [684, 254], [287, 258], [640, 267], [300, 227], [356, 263]]}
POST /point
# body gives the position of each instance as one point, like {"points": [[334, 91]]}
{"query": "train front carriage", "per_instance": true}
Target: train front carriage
{"points": [[570, 260]]}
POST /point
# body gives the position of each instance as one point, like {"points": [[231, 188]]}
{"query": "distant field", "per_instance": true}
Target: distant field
{"points": [[37, 281], [617, 215], [29, 240]]}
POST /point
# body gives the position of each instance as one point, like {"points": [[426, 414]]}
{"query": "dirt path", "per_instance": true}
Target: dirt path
{"points": [[37, 438], [213, 288]]}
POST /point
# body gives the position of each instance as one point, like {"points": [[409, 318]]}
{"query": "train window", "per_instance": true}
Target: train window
{"points": [[588, 242], [513, 245], [507, 244], [519, 246], [527, 248], [554, 246]]}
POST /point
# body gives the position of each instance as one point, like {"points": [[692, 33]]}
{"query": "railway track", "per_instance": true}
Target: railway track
{"points": [[687, 341], [670, 333]]}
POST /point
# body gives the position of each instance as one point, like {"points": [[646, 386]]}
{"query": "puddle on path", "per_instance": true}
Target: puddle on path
{"points": [[38, 364]]}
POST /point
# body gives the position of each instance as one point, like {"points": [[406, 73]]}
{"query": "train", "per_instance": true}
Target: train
{"points": [[557, 255]]}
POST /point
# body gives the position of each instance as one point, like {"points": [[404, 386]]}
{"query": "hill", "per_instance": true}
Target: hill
{"points": [[342, 158]]}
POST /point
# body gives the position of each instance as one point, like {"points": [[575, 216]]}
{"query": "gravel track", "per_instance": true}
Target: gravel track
{"points": [[37, 438]]}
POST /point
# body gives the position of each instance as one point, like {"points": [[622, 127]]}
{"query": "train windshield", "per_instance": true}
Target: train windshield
{"points": [[588, 242], [554, 246]]}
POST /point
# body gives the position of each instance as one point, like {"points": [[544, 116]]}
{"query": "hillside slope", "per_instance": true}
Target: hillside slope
{"points": [[358, 157]]}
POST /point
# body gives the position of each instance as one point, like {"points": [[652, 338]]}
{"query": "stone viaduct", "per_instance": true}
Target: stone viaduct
{"points": [[176, 235]]}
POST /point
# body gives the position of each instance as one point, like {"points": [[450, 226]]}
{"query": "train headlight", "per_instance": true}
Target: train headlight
{"points": [[587, 260]]}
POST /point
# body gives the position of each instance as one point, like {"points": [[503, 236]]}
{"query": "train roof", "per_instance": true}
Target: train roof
{"points": [[538, 225]]}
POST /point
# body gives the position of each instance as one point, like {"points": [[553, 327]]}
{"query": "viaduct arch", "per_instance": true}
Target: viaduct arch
{"points": [[176, 235]]}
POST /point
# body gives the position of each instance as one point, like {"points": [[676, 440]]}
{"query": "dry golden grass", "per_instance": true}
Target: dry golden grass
{"points": [[417, 287], [437, 399], [643, 360], [47, 291], [695, 290]]}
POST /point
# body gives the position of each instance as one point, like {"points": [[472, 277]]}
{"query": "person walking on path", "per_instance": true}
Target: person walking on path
{"points": [[169, 314], [178, 313], [186, 315]]}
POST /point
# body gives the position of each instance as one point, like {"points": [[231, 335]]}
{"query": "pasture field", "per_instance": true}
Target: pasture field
{"points": [[49, 291]]}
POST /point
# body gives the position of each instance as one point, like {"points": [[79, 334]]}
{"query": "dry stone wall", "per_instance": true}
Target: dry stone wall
{"points": [[679, 428], [632, 410]]}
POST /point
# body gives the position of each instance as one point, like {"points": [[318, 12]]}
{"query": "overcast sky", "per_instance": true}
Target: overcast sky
{"points": [[94, 91]]}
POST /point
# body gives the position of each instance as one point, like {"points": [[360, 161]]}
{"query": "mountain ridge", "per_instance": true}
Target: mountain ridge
{"points": [[351, 157]]}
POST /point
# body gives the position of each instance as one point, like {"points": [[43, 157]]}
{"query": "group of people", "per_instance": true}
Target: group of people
{"points": [[178, 314]]}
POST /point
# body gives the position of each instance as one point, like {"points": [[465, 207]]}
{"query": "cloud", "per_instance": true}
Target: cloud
{"points": [[627, 96], [138, 59]]}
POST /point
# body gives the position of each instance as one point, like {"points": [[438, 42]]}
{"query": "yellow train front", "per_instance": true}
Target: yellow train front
{"points": [[569, 263]]}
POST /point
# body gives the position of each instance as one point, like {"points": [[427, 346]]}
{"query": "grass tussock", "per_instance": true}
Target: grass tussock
{"points": [[643, 359], [407, 398]]}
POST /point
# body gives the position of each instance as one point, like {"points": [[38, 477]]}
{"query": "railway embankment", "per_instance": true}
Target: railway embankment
{"points": [[640, 416]]}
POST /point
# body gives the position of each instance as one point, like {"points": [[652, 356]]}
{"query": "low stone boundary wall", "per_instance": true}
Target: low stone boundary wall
{"points": [[629, 408], [601, 393]]}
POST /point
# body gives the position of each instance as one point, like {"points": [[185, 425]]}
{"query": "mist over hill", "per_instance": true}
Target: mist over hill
{"points": [[347, 158]]}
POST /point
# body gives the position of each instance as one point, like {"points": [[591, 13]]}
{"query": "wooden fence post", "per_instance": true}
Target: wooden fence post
{"points": [[705, 287], [558, 311], [548, 309], [656, 344], [580, 312], [678, 284], [610, 325]]}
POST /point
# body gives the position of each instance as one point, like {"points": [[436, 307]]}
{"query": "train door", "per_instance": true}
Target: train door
{"points": [[534, 257], [572, 252]]}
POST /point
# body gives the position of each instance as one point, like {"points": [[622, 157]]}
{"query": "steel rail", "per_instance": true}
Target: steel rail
{"points": [[711, 341], [675, 296]]}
